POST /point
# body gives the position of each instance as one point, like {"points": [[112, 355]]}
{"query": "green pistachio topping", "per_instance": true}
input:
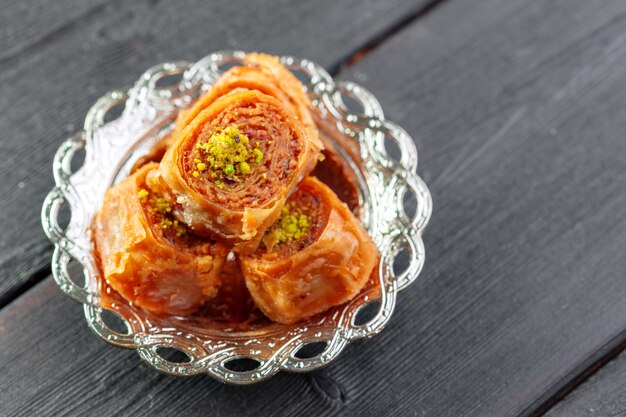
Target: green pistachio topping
{"points": [[160, 206], [227, 155], [293, 224]]}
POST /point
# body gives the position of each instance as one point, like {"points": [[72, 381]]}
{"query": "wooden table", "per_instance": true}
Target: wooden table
{"points": [[518, 110]]}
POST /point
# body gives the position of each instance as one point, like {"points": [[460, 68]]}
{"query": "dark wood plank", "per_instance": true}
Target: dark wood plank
{"points": [[517, 111], [25, 26], [57, 58], [600, 396]]}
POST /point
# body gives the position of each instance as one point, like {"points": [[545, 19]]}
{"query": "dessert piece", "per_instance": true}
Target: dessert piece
{"points": [[233, 166], [148, 256], [317, 255]]}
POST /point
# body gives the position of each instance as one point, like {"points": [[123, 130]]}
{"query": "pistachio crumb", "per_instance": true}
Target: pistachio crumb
{"points": [[142, 194], [258, 155]]}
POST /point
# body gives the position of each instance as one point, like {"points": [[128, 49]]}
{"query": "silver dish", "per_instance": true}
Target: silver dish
{"points": [[111, 148]]}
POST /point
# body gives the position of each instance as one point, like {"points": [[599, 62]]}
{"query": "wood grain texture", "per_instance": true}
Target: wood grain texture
{"points": [[519, 121], [601, 395], [58, 57], [57, 367], [24, 27], [518, 113]]}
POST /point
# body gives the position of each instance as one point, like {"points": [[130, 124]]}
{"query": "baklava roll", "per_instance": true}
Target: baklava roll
{"points": [[233, 166], [148, 256], [317, 255]]}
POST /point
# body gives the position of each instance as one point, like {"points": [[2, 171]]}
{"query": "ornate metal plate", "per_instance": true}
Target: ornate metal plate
{"points": [[150, 106]]}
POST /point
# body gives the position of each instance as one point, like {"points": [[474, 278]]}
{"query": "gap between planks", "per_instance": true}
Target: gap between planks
{"points": [[34, 279], [377, 40], [577, 377]]}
